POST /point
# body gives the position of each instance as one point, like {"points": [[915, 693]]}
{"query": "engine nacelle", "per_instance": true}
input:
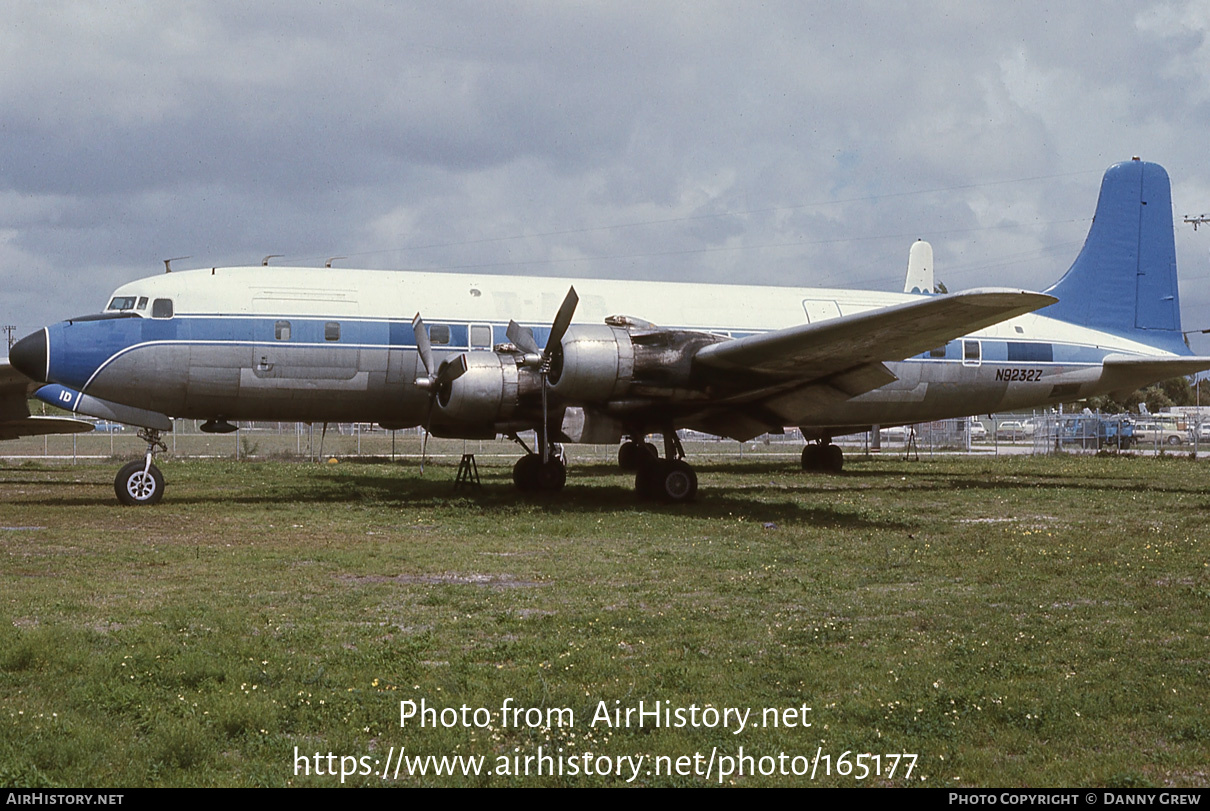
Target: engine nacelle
{"points": [[487, 392], [596, 364], [592, 364]]}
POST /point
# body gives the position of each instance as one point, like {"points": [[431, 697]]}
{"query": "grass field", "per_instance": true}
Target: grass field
{"points": [[1033, 621]]}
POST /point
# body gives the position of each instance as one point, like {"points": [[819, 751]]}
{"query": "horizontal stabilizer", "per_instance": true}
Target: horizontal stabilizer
{"points": [[1123, 374], [824, 348]]}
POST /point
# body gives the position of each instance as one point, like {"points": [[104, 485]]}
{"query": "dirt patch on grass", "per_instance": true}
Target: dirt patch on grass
{"points": [[497, 581]]}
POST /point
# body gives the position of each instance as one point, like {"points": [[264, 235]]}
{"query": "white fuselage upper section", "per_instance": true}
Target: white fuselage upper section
{"points": [[534, 300]]}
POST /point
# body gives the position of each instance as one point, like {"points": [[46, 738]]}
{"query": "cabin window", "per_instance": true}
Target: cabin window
{"points": [[161, 308], [332, 331], [439, 334], [281, 330], [1036, 353], [122, 303], [481, 336]]}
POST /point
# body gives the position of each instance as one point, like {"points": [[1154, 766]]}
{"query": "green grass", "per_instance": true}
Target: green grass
{"points": [[1015, 622]]}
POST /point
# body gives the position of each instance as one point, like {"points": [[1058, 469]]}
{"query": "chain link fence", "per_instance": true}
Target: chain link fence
{"points": [[1039, 432]]}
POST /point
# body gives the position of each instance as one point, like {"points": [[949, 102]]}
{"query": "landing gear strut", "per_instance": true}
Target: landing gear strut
{"points": [[823, 457], [141, 483]]}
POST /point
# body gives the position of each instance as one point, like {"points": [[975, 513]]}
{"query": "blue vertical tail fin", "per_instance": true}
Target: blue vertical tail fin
{"points": [[1124, 280]]}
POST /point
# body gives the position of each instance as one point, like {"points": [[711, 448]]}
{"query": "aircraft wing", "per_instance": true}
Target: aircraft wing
{"points": [[15, 420], [783, 377], [822, 349]]}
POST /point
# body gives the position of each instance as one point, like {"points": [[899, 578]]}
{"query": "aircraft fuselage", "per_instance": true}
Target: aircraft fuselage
{"points": [[325, 345]]}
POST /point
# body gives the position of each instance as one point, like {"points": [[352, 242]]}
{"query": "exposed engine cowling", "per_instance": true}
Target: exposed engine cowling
{"points": [[592, 364], [595, 364], [487, 392]]}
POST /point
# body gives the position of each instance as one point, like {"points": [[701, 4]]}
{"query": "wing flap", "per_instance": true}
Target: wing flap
{"points": [[812, 351]]}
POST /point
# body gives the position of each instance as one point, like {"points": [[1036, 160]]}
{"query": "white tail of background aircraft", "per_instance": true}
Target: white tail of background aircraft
{"points": [[606, 361]]}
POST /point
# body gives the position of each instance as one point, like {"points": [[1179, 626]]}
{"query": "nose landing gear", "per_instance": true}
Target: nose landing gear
{"points": [[141, 483]]}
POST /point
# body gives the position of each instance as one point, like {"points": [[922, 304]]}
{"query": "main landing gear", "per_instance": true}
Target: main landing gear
{"points": [[534, 474], [671, 479], [822, 457], [632, 454], [141, 482]]}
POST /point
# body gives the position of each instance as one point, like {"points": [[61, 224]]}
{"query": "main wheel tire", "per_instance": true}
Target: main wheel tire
{"points": [[811, 458], [531, 475], [527, 473], [628, 456], [134, 487], [552, 475], [677, 482], [672, 481], [833, 458], [647, 477]]}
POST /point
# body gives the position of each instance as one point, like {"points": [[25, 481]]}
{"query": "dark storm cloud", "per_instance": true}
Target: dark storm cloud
{"points": [[779, 142]]}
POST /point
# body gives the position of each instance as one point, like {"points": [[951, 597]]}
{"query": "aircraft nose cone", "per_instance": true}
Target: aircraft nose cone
{"points": [[28, 356]]}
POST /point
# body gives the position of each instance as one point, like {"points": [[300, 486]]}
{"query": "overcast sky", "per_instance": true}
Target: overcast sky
{"points": [[775, 143]]}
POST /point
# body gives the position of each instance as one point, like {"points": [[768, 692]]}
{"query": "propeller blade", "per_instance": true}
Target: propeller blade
{"points": [[562, 321], [424, 446], [558, 329], [451, 370], [522, 338], [423, 345]]}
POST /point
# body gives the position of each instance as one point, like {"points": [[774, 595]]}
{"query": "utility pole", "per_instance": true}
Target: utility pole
{"points": [[10, 328], [1200, 219]]}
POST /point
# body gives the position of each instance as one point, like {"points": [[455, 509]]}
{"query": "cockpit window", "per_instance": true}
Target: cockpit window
{"points": [[122, 303], [142, 303], [161, 308]]}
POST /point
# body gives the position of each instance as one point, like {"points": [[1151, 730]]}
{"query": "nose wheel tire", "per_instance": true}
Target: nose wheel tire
{"points": [[136, 484]]}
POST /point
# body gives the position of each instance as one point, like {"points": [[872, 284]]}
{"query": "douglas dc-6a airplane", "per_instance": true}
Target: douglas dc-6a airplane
{"points": [[619, 360]]}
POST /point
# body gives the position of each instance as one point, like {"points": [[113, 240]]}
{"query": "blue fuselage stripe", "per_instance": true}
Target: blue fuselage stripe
{"points": [[78, 350]]}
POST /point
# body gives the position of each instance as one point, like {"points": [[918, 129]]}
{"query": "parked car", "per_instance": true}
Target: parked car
{"points": [[107, 427], [1152, 432], [978, 432], [899, 433], [1014, 430]]}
